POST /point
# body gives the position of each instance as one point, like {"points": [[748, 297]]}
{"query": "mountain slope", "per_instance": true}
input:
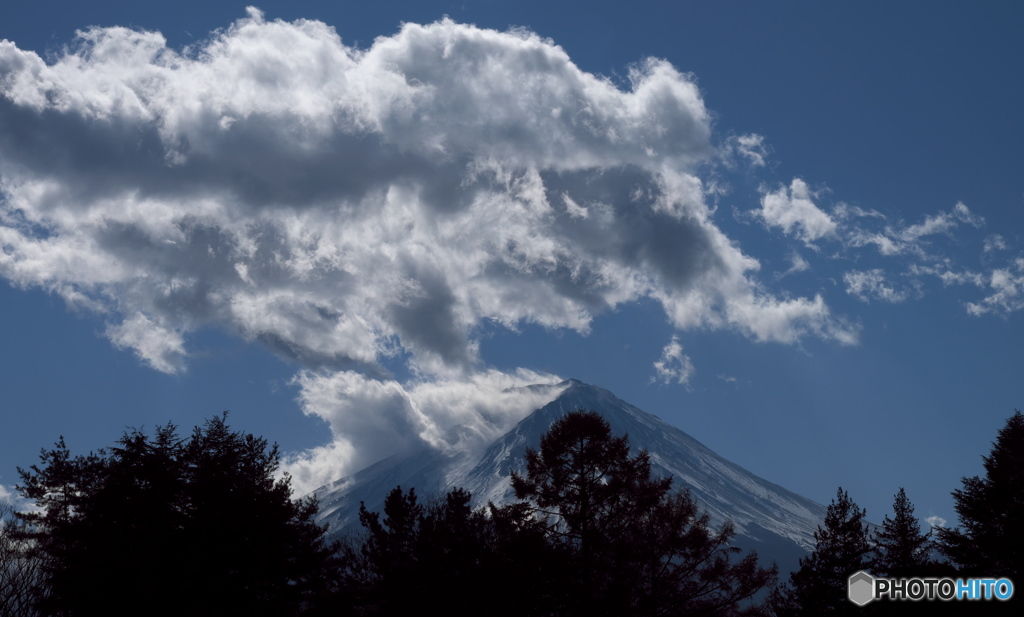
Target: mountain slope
{"points": [[776, 522]]}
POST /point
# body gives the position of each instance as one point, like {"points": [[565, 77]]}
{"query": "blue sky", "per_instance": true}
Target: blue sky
{"points": [[793, 230]]}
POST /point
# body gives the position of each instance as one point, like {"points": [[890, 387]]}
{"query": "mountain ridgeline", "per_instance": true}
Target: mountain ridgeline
{"points": [[777, 523]]}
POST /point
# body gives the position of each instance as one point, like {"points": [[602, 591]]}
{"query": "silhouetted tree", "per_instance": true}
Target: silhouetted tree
{"points": [[636, 547], [901, 550], [990, 538], [819, 587], [449, 557], [522, 552], [20, 572], [166, 526], [384, 568], [60, 487]]}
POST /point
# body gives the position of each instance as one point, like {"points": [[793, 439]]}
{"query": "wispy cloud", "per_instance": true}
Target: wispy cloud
{"points": [[751, 148], [912, 239], [674, 365], [995, 242], [10, 497], [873, 284], [796, 264], [1007, 285], [912, 249]]}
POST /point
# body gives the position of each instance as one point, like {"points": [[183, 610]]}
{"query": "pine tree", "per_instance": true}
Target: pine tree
{"points": [[382, 571], [449, 557], [20, 572], [901, 550], [819, 587], [165, 526], [522, 551], [60, 488], [636, 547], [990, 539]]}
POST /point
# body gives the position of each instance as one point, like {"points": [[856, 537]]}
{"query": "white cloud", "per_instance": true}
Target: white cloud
{"points": [[912, 244], [964, 215], [843, 212], [1007, 295], [793, 210], [941, 223], [160, 347], [946, 273], [912, 239], [751, 147], [915, 247], [797, 264], [335, 202], [789, 320], [674, 365], [873, 284], [347, 206], [457, 415], [995, 242], [10, 497], [936, 521]]}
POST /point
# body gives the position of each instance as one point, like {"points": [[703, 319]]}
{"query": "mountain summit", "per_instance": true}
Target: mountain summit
{"points": [[778, 523]]}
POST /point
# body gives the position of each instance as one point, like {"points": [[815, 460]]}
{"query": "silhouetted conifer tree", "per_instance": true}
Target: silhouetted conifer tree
{"points": [[165, 526], [20, 572], [636, 547], [819, 587], [901, 550], [449, 557], [990, 539], [383, 570]]}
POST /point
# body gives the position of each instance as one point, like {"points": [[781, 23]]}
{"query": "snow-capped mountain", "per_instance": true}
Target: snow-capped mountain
{"points": [[778, 523]]}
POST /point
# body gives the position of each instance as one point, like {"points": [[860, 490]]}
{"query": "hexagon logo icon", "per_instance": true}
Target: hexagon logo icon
{"points": [[861, 588]]}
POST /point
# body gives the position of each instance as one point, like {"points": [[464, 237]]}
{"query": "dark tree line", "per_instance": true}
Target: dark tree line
{"points": [[165, 525], [450, 557], [198, 525], [988, 543]]}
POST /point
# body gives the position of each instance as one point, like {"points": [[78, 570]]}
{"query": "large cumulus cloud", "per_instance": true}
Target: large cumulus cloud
{"points": [[345, 205]]}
